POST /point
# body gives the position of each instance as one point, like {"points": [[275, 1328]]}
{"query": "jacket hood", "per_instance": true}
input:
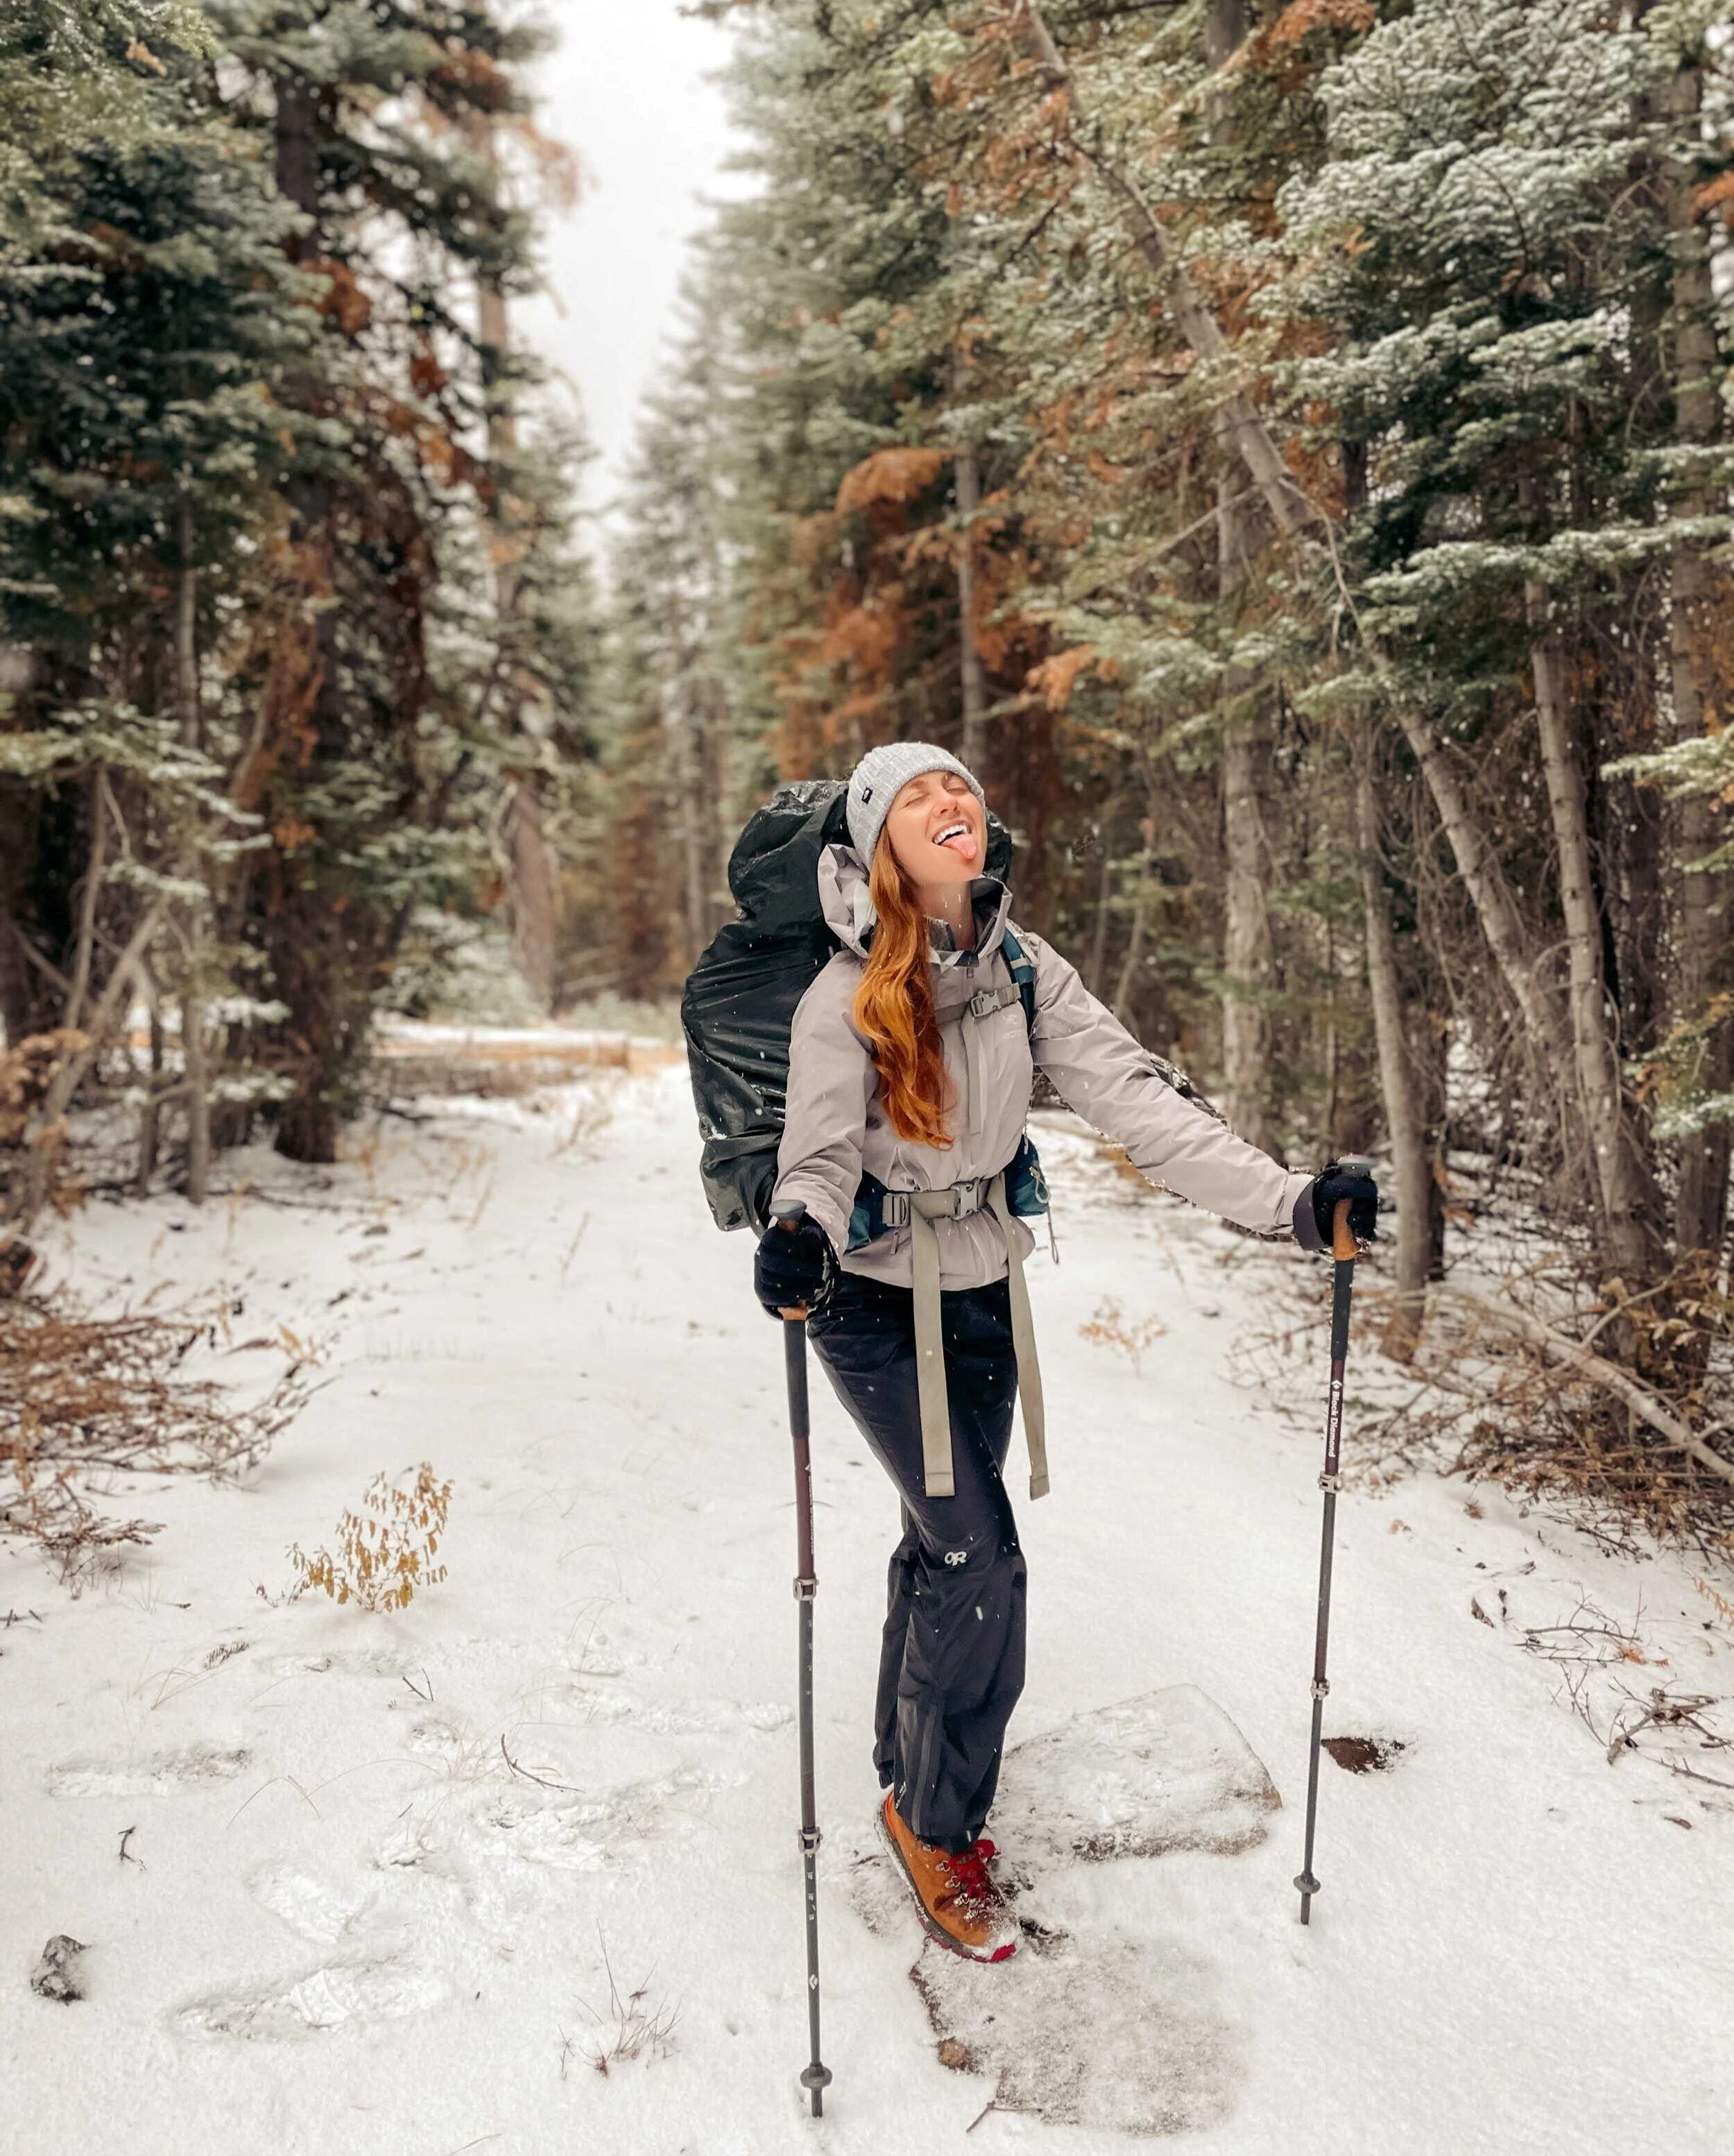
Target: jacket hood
{"points": [[847, 909]]}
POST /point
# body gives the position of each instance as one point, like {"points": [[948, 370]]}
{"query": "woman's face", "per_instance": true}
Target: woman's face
{"points": [[938, 830]]}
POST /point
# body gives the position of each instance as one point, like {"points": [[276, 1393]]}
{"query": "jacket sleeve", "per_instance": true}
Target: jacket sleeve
{"points": [[1102, 1072], [831, 1079]]}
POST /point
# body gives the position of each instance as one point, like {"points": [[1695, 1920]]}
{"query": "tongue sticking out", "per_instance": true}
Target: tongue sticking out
{"points": [[960, 843]]}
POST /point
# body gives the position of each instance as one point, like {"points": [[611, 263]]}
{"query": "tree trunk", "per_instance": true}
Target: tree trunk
{"points": [[1400, 1082], [1697, 597], [1130, 963], [1629, 1202], [151, 1116], [1247, 955], [530, 870], [533, 909], [1495, 908], [968, 476], [192, 999], [1096, 964], [685, 728]]}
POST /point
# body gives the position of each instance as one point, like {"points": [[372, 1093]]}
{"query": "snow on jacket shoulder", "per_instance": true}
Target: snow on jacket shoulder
{"points": [[835, 1130]]}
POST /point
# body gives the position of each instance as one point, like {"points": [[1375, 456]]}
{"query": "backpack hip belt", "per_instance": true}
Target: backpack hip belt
{"points": [[958, 1201]]}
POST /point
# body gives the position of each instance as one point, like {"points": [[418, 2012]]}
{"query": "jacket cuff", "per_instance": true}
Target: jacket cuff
{"points": [[821, 1210], [1306, 1226]]}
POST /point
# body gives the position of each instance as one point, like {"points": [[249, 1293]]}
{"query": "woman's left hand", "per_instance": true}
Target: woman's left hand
{"points": [[793, 1268]]}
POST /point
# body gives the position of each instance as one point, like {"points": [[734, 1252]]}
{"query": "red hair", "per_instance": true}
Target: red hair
{"points": [[894, 1008]]}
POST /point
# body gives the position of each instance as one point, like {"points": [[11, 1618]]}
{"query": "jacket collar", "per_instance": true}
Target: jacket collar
{"points": [[848, 909]]}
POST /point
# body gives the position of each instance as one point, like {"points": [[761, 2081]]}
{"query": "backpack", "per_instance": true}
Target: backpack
{"points": [[739, 1003], [738, 1006]]}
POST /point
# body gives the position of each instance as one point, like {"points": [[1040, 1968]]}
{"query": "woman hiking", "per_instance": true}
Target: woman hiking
{"points": [[910, 1064]]}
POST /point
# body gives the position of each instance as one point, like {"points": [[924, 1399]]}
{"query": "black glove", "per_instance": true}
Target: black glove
{"points": [[793, 1270], [1315, 1209]]}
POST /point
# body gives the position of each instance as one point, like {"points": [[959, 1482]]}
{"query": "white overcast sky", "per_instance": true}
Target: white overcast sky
{"points": [[627, 91]]}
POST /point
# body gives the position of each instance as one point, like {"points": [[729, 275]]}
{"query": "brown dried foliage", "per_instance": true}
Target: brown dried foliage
{"points": [[385, 1552], [88, 1396]]}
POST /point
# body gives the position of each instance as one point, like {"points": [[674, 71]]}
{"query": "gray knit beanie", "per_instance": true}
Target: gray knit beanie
{"points": [[881, 775]]}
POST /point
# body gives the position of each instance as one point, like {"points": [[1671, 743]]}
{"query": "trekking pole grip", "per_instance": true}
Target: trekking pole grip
{"points": [[788, 1216], [1343, 1247]]}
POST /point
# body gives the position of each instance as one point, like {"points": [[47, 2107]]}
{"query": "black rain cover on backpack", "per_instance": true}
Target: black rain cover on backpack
{"points": [[740, 1001]]}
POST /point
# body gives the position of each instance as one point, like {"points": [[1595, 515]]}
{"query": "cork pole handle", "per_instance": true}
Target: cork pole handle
{"points": [[789, 1218], [1343, 1247]]}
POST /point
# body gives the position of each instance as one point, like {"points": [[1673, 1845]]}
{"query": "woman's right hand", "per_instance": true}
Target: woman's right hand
{"points": [[793, 1270]]}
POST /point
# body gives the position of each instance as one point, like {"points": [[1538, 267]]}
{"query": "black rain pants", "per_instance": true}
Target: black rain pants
{"points": [[951, 1666]]}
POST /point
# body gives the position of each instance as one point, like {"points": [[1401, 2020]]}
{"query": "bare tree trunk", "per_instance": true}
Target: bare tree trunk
{"points": [[532, 924], [151, 1116], [1096, 964], [530, 869], [192, 1001], [1704, 930], [1247, 955], [683, 726], [1495, 908], [1629, 1201], [1399, 1081], [1133, 958], [968, 476]]}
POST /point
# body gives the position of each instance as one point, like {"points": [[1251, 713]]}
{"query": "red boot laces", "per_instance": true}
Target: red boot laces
{"points": [[970, 1872]]}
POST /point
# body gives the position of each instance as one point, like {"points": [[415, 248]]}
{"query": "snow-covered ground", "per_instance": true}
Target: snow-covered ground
{"points": [[379, 1867]]}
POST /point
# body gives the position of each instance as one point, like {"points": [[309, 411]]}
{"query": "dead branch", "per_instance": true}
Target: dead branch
{"points": [[1598, 1371]]}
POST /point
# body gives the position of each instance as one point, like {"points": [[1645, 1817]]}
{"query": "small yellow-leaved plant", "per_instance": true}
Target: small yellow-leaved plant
{"points": [[385, 1552]]}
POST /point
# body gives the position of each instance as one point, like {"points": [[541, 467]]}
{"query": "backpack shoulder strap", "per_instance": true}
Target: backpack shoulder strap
{"points": [[1022, 972]]}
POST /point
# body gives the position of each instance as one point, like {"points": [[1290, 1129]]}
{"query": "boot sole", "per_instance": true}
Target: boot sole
{"points": [[930, 1924]]}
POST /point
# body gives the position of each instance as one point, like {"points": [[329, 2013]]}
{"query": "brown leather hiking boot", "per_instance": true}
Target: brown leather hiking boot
{"points": [[960, 1905]]}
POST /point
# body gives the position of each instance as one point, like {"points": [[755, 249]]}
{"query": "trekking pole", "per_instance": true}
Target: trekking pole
{"points": [[1343, 1251], [815, 2077]]}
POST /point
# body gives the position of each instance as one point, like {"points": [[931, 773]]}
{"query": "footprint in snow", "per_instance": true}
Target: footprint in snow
{"points": [[163, 1773], [343, 1662], [361, 1990], [580, 1833], [687, 1718], [404, 1944]]}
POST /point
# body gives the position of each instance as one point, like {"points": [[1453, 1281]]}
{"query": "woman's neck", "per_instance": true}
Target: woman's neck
{"points": [[952, 904]]}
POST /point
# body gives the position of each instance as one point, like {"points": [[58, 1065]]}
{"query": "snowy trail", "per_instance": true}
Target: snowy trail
{"points": [[352, 1925]]}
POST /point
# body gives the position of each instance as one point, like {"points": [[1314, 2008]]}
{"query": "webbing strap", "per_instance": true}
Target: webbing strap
{"points": [[925, 1208], [1029, 1369], [930, 1352]]}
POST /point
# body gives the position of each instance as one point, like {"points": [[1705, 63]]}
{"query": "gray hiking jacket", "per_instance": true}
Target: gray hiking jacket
{"points": [[835, 1131]]}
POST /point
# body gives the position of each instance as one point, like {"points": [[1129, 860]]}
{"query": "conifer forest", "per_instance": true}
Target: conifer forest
{"points": [[1285, 447]]}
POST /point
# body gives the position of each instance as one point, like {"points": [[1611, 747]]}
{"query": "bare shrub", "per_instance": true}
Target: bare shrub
{"points": [[1111, 1327], [84, 1396]]}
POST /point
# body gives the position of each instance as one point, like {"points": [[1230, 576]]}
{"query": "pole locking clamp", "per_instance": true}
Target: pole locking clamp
{"points": [[805, 1590], [810, 1839], [1321, 1687], [1332, 1485]]}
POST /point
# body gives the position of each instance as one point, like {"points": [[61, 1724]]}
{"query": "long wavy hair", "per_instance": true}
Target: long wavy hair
{"points": [[894, 1008]]}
